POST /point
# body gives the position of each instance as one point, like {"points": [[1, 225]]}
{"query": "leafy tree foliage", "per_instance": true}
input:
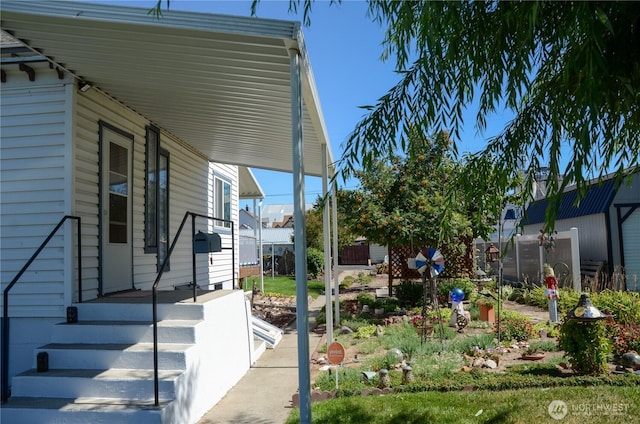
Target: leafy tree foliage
{"points": [[403, 201], [570, 71], [315, 235]]}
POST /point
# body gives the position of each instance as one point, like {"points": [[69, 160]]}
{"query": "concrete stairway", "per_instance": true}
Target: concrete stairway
{"points": [[100, 369]]}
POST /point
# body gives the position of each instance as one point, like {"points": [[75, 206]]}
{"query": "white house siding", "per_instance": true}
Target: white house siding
{"points": [[188, 191], [627, 196], [35, 186], [34, 191], [221, 270]]}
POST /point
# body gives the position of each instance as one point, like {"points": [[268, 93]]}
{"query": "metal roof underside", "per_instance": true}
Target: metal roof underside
{"points": [[219, 83], [249, 188], [597, 200]]}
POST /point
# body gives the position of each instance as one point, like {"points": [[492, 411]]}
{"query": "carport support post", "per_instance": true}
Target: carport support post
{"points": [[327, 248], [575, 259], [336, 271], [300, 234]]}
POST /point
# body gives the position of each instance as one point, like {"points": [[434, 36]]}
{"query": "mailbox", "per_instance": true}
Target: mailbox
{"points": [[206, 243]]}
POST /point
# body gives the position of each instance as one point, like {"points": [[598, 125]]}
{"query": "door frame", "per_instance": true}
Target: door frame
{"points": [[101, 230]]}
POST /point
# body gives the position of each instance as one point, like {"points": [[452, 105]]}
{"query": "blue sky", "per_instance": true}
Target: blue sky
{"points": [[344, 47]]}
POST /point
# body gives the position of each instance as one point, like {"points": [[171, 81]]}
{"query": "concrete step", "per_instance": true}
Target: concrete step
{"points": [[138, 312], [137, 356], [81, 411], [169, 331], [121, 383]]}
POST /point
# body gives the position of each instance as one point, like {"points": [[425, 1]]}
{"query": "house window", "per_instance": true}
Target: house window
{"points": [[222, 202], [151, 191], [156, 235], [163, 208]]}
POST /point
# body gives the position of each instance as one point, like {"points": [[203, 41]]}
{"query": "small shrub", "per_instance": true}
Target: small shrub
{"points": [[409, 293], [544, 346], [366, 299], [315, 262], [624, 338], [365, 331], [364, 278], [466, 344], [368, 347], [516, 326], [355, 324], [623, 305], [586, 346], [346, 282]]}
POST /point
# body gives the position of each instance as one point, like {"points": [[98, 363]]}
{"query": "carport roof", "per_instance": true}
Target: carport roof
{"points": [[221, 84]]}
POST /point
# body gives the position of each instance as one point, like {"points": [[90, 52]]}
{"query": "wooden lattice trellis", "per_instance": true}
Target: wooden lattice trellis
{"points": [[398, 268]]}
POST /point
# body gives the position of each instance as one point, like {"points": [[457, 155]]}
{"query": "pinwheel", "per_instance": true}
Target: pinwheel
{"points": [[430, 258]]}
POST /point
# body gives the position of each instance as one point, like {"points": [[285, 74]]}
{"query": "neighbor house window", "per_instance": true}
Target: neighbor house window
{"points": [[156, 223], [222, 202]]}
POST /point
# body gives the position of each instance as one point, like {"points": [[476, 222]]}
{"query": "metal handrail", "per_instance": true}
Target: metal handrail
{"points": [[154, 289], [5, 314]]}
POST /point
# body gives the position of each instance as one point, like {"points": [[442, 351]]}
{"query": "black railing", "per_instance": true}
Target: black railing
{"points": [[5, 314], [195, 286]]}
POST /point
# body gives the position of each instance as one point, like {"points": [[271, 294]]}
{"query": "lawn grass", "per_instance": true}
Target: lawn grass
{"points": [[600, 404], [286, 286]]}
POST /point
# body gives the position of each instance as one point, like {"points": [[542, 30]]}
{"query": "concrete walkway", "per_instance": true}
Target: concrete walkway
{"points": [[263, 395]]}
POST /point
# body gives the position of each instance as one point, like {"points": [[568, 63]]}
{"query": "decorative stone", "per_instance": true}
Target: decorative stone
{"points": [[346, 330], [630, 360], [369, 375], [490, 363], [478, 362], [397, 354]]}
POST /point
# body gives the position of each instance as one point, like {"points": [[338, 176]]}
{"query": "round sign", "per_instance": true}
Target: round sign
{"points": [[335, 353]]}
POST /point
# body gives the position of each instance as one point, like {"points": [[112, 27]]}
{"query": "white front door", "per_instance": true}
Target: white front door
{"points": [[116, 199]]}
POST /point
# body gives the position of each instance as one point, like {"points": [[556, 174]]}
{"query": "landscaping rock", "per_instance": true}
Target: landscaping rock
{"points": [[478, 362], [490, 363], [345, 330]]}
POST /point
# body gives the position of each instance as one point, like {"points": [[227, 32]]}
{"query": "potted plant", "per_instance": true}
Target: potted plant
{"points": [[533, 354], [423, 326], [486, 303]]}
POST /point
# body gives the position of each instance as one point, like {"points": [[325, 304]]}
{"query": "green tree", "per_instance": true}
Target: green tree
{"points": [[402, 201], [315, 234]]}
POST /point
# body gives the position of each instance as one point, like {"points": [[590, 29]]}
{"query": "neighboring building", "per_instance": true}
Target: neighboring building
{"points": [[247, 220], [608, 223], [136, 128], [277, 214], [287, 222]]}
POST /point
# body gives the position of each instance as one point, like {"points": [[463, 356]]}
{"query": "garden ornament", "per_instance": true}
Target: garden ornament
{"points": [[551, 293], [459, 317], [585, 311]]}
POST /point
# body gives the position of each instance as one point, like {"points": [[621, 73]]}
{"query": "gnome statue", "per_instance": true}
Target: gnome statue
{"points": [[551, 293]]}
